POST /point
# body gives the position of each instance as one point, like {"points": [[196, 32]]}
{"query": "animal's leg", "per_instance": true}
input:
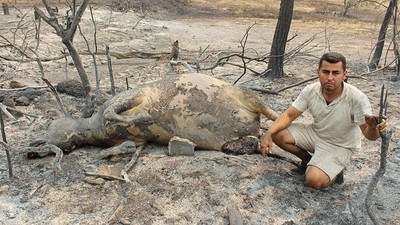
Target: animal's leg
{"points": [[124, 148], [130, 110], [45, 150]]}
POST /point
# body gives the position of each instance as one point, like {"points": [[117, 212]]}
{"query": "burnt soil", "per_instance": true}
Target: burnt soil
{"points": [[187, 189]]}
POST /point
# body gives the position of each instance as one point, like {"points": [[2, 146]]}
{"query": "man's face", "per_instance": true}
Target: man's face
{"points": [[331, 76]]}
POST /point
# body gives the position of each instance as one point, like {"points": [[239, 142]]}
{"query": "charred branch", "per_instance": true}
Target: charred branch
{"points": [[385, 136], [51, 87], [6, 146], [110, 72], [243, 46]]}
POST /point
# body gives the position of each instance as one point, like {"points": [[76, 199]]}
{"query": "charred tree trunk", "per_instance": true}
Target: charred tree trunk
{"points": [[275, 64], [382, 35], [79, 66], [89, 109], [395, 44], [5, 9]]}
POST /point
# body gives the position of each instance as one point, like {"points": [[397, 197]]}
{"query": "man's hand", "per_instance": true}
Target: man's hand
{"points": [[266, 145], [371, 121]]}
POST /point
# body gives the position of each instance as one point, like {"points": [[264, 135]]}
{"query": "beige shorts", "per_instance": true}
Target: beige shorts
{"points": [[328, 157]]}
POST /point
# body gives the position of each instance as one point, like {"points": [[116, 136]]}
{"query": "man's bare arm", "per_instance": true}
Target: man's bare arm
{"points": [[281, 123], [370, 129]]}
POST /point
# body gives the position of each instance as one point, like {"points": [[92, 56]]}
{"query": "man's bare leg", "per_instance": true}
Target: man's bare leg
{"points": [[317, 179], [286, 141]]}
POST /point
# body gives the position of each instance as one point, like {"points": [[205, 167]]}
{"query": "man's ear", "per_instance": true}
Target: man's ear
{"points": [[345, 76]]}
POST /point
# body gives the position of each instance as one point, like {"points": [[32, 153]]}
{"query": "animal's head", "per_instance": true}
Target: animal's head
{"points": [[64, 133]]}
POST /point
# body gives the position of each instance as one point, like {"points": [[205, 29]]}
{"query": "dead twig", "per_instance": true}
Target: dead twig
{"points": [[200, 53], [4, 109], [243, 43], [60, 104], [93, 54], [109, 177]]}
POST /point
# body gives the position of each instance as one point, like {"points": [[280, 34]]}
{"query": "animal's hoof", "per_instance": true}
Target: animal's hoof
{"points": [[243, 145], [124, 148]]}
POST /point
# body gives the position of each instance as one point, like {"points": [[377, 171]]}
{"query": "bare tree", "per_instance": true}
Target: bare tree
{"points": [[67, 34], [348, 4], [275, 64], [373, 64]]}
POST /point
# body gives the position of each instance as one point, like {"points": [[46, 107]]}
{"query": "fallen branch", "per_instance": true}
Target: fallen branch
{"points": [[136, 54], [119, 55], [109, 177], [131, 163], [21, 89], [375, 71], [296, 84], [264, 90], [191, 70]]}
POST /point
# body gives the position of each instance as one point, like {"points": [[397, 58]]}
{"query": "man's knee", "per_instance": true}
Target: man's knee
{"points": [[316, 178], [315, 183], [283, 137]]}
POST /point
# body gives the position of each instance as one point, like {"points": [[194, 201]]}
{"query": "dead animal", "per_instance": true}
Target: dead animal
{"points": [[205, 110]]}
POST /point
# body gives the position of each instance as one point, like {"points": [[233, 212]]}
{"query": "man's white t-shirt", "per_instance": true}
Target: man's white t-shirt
{"points": [[337, 123]]}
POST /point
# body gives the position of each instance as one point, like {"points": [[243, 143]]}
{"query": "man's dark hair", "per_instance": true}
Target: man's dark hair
{"points": [[333, 57]]}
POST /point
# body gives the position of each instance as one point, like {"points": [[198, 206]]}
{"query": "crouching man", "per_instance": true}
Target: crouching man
{"points": [[341, 113]]}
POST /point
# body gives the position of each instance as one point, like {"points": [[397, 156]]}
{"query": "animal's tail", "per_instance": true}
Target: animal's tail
{"points": [[258, 105], [268, 112]]}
